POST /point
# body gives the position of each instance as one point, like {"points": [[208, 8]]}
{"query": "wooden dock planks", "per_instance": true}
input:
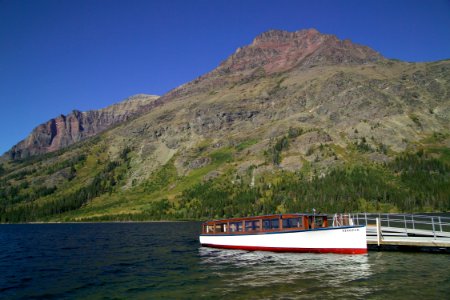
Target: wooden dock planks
{"points": [[410, 241]]}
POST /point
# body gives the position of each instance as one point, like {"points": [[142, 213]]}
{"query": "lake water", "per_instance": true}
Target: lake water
{"points": [[165, 261]]}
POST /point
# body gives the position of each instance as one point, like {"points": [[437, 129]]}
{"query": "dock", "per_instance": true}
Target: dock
{"points": [[402, 232]]}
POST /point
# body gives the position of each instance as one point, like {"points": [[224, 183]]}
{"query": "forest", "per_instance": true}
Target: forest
{"points": [[29, 211], [410, 183]]}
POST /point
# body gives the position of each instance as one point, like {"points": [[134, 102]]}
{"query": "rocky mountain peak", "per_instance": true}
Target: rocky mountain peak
{"points": [[276, 37], [278, 51]]}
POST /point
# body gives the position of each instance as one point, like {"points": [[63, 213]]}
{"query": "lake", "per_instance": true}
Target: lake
{"points": [[165, 261]]}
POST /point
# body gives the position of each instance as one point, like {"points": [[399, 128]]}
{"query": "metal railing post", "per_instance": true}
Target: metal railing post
{"points": [[432, 222], [412, 219], [388, 220], [440, 223], [366, 218], [378, 231], [406, 227]]}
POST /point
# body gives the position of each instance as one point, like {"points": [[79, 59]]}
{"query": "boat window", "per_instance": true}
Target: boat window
{"points": [[221, 227], [252, 225], [236, 226], [271, 224], [275, 223], [292, 223], [209, 228], [319, 222]]}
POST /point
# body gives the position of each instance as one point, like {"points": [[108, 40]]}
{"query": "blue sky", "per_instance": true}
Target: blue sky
{"points": [[56, 56]]}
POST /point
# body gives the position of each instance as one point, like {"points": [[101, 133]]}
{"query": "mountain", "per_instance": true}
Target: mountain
{"points": [[292, 121], [65, 130]]}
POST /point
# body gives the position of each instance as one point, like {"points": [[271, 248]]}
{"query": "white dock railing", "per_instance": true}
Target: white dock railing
{"points": [[403, 224]]}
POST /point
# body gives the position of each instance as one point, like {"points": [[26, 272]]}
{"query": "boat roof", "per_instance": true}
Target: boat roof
{"points": [[273, 216]]}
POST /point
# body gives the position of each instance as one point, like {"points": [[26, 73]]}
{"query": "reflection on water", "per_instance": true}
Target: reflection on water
{"points": [[291, 275]]}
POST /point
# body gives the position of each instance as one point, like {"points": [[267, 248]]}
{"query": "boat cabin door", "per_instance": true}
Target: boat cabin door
{"points": [[317, 222], [311, 222]]}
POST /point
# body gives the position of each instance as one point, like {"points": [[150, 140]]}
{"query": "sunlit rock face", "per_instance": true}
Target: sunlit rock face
{"points": [[278, 51], [64, 130]]}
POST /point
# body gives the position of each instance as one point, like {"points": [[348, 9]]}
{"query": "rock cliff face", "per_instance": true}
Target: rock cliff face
{"points": [[65, 130]]}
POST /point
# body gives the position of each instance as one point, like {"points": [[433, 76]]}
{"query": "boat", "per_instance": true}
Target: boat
{"points": [[286, 233]]}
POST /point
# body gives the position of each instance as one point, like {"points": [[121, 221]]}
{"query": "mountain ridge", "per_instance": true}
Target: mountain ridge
{"points": [[274, 50], [261, 58], [64, 130]]}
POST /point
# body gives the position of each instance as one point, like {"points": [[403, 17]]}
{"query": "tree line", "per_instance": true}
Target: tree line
{"points": [[411, 183], [105, 181]]}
